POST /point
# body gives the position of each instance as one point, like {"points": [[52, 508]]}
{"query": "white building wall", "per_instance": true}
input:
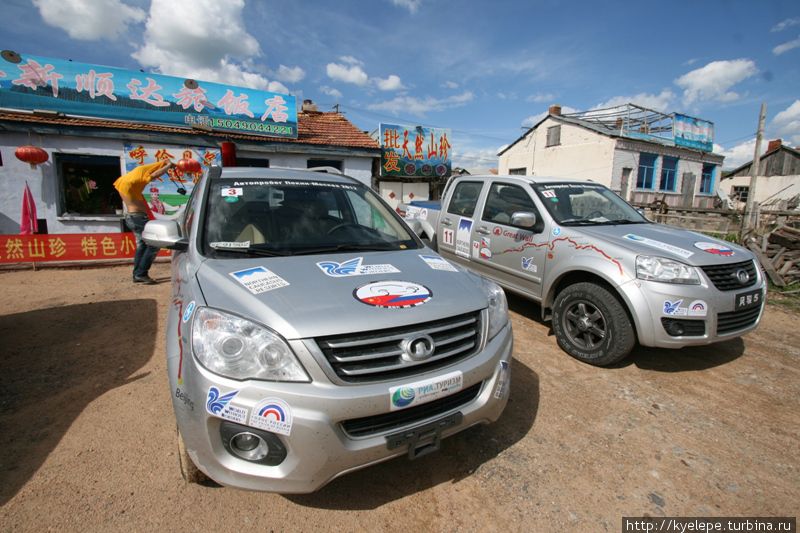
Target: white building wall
{"points": [[355, 167], [772, 187]]}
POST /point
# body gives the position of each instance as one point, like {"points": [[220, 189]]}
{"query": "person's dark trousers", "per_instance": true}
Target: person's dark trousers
{"points": [[145, 255]]}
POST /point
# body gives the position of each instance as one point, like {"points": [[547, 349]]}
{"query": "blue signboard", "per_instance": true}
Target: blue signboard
{"points": [[414, 151], [693, 132], [33, 82]]}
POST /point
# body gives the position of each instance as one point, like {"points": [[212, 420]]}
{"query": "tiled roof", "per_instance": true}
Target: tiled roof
{"points": [[317, 128]]}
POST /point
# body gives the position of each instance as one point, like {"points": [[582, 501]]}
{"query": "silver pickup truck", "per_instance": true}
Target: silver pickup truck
{"points": [[310, 333], [604, 274]]}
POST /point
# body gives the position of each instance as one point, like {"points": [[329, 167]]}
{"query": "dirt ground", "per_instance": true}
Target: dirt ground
{"points": [[88, 444]]}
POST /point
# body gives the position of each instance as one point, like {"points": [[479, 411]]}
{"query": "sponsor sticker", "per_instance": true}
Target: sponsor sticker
{"points": [[476, 249], [674, 308], [448, 237], [187, 314], [232, 192], [658, 244], [497, 231], [273, 415], [485, 248], [714, 248], [698, 308], [219, 405], [549, 194], [393, 294], [232, 244], [556, 230], [462, 237], [259, 279], [354, 267], [438, 263], [528, 264], [420, 392]]}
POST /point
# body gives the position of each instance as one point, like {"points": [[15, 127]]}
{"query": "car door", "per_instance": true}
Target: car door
{"points": [[454, 234], [514, 255]]}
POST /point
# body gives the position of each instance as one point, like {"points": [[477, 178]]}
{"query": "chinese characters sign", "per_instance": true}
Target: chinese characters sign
{"points": [[82, 89], [414, 151], [167, 195], [68, 247], [693, 132]]}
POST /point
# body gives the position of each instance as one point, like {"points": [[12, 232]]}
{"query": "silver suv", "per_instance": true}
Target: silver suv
{"points": [[311, 333]]}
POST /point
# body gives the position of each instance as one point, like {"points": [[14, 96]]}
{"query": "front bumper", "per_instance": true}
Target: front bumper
{"points": [[318, 447]]}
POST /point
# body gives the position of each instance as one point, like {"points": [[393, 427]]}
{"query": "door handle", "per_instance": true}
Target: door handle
{"points": [[483, 230], [446, 222]]}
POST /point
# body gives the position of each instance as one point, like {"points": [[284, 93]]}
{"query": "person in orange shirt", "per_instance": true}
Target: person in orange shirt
{"points": [[137, 213]]}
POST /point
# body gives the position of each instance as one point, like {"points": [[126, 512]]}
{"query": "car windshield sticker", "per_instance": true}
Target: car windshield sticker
{"points": [[549, 194], [259, 279], [187, 314], [232, 192], [527, 264], [393, 294], [674, 308], [353, 267], [220, 405], [462, 237], [233, 244], [420, 392], [698, 308], [447, 237], [714, 248], [272, 414], [293, 183], [485, 248], [658, 244], [438, 263]]}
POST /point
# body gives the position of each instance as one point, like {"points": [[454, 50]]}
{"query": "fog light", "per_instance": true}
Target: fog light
{"points": [[249, 446]]}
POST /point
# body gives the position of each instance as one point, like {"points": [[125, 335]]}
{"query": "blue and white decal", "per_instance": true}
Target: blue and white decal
{"points": [[674, 308], [187, 314], [463, 237], [438, 263], [219, 405], [353, 267], [658, 244], [259, 279]]}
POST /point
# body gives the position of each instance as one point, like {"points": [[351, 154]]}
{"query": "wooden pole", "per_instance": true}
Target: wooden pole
{"points": [[749, 222]]}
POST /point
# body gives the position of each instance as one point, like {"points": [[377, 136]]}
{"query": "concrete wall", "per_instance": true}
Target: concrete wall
{"points": [[359, 168], [777, 187]]}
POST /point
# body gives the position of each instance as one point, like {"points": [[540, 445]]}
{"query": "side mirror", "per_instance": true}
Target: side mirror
{"points": [[164, 234], [523, 219]]}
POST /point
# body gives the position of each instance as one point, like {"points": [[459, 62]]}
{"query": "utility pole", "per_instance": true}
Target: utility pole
{"points": [[751, 222]]}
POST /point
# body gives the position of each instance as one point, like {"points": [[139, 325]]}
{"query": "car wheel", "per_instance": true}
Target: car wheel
{"points": [[591, 325], [189, 471]]}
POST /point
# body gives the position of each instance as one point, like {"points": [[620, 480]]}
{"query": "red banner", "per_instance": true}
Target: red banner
{"points": [[68, 247]]}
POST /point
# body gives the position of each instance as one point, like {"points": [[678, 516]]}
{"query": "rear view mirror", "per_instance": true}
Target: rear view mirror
{"points": [[164, 234], [523, 219]]}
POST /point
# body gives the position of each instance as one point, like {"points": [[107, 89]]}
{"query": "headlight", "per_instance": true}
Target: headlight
{"points": [[237, 348], [665, 270], [498, 306]]}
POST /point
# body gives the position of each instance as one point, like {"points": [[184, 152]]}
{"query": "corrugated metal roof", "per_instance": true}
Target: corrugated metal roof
{"points": [[317, 128]]}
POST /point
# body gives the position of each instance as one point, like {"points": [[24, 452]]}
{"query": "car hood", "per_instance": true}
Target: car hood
{"points": [[669, 241], [297, 298]]}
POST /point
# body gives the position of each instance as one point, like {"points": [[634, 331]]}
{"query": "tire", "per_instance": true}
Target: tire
{"points": [[591, 325], [189, 471]]}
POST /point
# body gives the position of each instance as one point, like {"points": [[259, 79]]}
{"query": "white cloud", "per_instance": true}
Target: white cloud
{"points": [[476, 159], [90, 21], [350, 60], [786, 124], [392, 83], [541, 98], [411, 5], [785, 24], [713, 81], [785, 47], [740, 154], [659, 102], [207, 42], [330, 91], [535, 119], [450, 85], [420, 106], [290, 74], [353, 74]]}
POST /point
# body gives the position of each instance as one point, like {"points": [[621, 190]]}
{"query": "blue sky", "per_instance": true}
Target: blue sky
{"points": [[486, 70]]}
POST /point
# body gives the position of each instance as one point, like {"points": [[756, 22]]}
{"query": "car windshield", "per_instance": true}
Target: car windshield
{"points": [[280, 217], [586, 204]]}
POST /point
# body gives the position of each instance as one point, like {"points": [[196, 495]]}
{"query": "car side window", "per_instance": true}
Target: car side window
{"points": [[465, 198], [504, 200]]}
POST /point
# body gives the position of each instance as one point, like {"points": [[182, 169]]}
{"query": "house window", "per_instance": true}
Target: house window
{"points": [[325, 163], [553, 135], [252, 162], [669, 170], [707, 179], [740, 192], [518, 171], [87, 184], [647, 169]]}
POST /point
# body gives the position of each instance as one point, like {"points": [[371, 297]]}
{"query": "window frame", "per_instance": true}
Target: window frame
{"points": [[495, 185], [553, 136], [708, 178], [455, 191], [652, 177], [60, 159], [663, 174]]}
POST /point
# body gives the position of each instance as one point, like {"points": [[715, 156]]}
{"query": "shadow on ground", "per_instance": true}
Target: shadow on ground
{"points": [[54, 362], [460, 456]]}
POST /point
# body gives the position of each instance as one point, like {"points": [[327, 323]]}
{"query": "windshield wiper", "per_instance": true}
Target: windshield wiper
{"points": [[256, 250], [620, 221], [577, 222], [350, 247]]}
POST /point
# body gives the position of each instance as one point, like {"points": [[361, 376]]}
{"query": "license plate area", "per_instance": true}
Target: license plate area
{"points": [[423, 440], [746, 300]]}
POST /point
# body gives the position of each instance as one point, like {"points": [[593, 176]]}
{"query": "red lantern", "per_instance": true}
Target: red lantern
{"points": [[189, 166], [31, 154], [228, 154]]}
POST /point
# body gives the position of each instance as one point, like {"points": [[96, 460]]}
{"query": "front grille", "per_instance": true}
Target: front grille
{"points": [[736, 320], [371, 425], [379, 355], [724, 276]]}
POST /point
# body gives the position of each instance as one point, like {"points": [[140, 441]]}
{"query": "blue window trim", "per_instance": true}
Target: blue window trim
{"points": [[669, 175], [646, 174], [712, 178]]}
